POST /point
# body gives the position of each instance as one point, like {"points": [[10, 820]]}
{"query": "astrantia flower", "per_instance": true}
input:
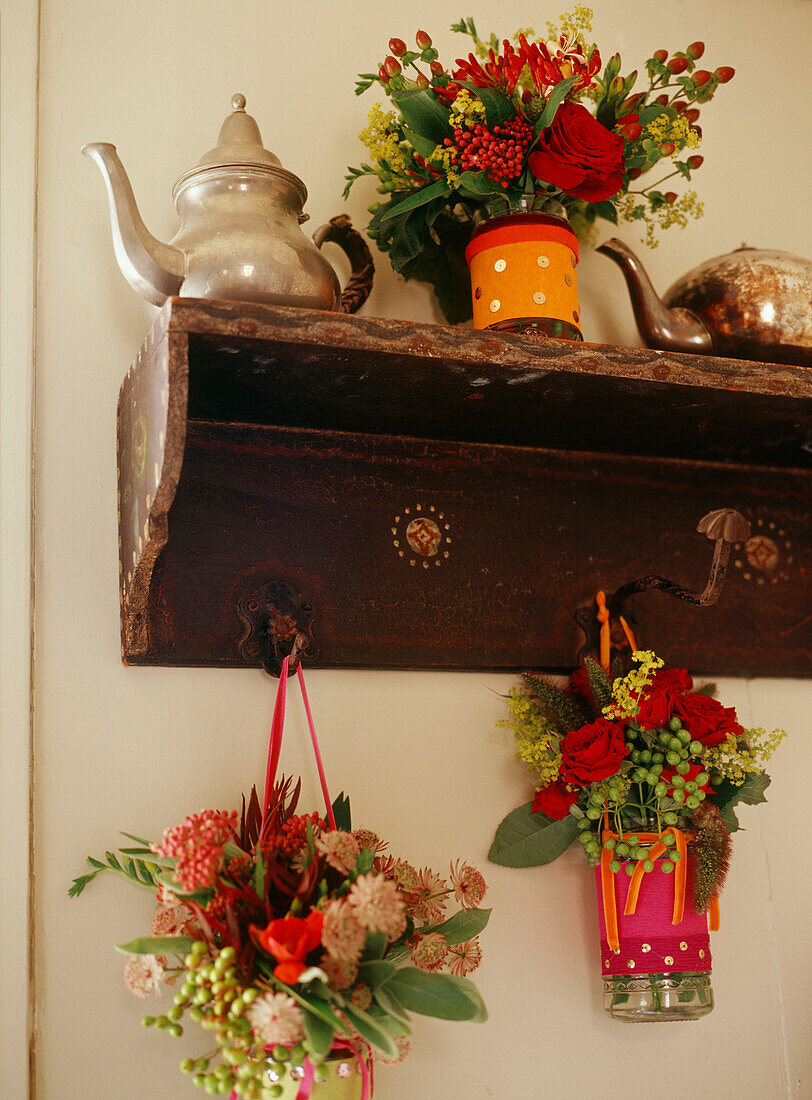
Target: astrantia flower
{"points": [[361, 996], [369, 840], [377, 905], [429, 951], [465, 957], [405, 876], [342, 934], [403, 1049], [430, 902], [340, 972], [197, 845], [171, 920], [340, 849], [276, 1018], [469, 885], [143, 974]]}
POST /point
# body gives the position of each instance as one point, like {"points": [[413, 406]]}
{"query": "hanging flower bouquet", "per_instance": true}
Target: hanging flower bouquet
{"points": [[530, 124], [646, 772], [290, 935]]}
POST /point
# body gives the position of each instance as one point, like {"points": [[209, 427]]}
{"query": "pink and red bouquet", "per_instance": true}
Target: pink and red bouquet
{"points": [[529, 124]]}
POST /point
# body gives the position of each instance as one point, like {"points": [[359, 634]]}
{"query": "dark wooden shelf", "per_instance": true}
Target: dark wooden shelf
{"points": [[261, 444]]}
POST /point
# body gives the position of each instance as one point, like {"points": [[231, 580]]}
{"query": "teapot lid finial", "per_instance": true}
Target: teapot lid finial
{"points": [[240, 141]]}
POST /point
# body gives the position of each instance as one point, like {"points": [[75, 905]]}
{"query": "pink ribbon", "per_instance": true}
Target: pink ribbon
{"points": [[275, 743]]}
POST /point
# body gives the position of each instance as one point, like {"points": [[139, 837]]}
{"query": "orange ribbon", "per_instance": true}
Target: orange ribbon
{"points": [[680, 879], [606, 632]]}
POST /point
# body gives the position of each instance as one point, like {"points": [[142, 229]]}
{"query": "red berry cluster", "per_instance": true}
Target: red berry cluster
{"points": [[498, 153], [294, 833]]}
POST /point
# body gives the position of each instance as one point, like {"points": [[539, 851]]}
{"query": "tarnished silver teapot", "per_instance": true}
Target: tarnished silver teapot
{"points": [[751, 303], [239, 235]]}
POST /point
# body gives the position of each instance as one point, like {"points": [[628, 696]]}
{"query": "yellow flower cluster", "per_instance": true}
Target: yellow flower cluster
{"points": [[536, 740], [465, 108], [626, 692], [677, 130], [747, 755], [572, 25], [382, 137], [674, 213], [446, 157]]}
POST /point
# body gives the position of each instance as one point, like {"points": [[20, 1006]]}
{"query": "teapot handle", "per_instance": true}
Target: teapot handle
{"points": [[339, 230]]}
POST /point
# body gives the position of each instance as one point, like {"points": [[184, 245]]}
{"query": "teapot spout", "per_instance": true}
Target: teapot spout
{"points": [[668, 329], [155, 270]]}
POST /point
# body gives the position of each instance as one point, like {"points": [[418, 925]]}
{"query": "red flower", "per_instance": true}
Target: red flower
{"points": [[656, 704], [547, 70], [579, 684], [554, 800], [290, 940], [579, 155], [592, 752], [706, 719], [499, 71]]}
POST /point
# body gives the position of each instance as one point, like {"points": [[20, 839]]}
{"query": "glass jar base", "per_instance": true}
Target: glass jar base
{"points": [[547, 327], [658, 998]]}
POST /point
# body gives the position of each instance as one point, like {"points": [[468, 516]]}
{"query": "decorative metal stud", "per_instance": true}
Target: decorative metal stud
{"points": [[500, 265], [575, 315], [478, 293], [543, 261], [616, 951], [668, 960], [702, 953], [568, 280], [495, 306], [539, 298], [573, 261], [343, 1069], [646, 947], [683, 946], [630, 964], [606, 964]]}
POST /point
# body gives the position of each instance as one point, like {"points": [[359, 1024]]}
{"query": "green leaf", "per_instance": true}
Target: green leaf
{"points": [[423, 113], [341, 812], [477, 184], [439, 995], [375, 946], [752, 790], [463, 926], [368, 1029], [418, 198], [259, 875], [606, 210], [317, 1005], [81, 882], [157, 945], [554, 101], [467, 987], [525, 839], [376, 971], [729, 819], [389, 1003], [499, 107], [706, 689], [422, 145], [319, 1033]]}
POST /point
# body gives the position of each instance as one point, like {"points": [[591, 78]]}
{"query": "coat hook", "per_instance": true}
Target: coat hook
{"points": [[277, 623], [724, 527]]}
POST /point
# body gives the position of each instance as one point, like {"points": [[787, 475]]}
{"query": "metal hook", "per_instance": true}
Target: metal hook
{"points": [[724, 527], [277, 624]]}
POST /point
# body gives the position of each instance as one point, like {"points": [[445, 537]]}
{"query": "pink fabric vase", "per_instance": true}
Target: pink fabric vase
{"points": [[659, 970]]}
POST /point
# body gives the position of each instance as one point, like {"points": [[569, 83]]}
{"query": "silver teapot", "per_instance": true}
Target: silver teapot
{"points": [[239, 235]]}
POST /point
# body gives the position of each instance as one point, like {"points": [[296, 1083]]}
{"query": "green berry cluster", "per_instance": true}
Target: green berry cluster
{"points": [[215, 997], [637, 797]]}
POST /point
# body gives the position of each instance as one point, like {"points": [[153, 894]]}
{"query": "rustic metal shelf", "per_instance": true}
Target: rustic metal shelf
{"points": [[444, 498]]}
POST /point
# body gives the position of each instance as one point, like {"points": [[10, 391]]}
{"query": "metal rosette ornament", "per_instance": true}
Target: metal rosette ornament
{"points": [[655, 946]]}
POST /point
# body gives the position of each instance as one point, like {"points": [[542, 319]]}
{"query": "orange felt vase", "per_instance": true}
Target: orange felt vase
{"points": [[523, 276]]}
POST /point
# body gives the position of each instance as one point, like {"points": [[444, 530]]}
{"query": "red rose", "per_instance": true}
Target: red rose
{"points": [[706, 719], [290, 940], [592, 752], [554, 800], [657, 703], [579, 155]]}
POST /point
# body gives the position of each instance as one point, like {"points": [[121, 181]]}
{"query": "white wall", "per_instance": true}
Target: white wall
{"points": [[138, 748]]}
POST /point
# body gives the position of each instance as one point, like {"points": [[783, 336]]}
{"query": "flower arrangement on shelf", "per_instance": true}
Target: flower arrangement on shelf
{"points": [[291, 936], [646, 773], [527, 124]]}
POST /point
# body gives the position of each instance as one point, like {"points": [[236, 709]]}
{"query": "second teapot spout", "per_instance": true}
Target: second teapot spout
{"points": [[668, 329], [155, 270]]}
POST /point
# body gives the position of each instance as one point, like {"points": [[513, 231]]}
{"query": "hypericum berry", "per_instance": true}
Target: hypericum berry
{"points": [[701, 77], [383, 75], [692, 114], [392, 66], [660, 55], [695, 50], [662, 99], [631, 131], [724, 74], [422, 81], [397, 46], [677, 65], [667, 148], [423, 40], [436, 68]]}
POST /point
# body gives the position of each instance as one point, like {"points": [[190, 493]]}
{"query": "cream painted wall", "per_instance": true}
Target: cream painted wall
{"points": [[138, 748]]}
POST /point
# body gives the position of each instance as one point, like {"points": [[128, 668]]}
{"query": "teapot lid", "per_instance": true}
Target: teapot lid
{"points": [[240, 141]]}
